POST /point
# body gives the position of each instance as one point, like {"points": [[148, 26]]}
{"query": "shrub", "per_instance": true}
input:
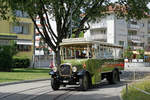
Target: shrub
{"points": [[21, 62], [136, 94], [6, 54], [5, 58]]}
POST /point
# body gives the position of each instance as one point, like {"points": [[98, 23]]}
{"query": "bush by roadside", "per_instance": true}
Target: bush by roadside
{"points": [[21, 62]]}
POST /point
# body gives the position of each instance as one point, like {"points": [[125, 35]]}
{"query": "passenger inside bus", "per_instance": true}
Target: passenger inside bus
{"points": [[81, 54]]}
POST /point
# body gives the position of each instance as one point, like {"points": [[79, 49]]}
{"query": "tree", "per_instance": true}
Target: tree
{"points": [[128, 53], [6, 56], [141, 54], [82, 11]]}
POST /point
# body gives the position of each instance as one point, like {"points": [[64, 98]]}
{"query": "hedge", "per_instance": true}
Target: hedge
{"points": [[21, 62]]}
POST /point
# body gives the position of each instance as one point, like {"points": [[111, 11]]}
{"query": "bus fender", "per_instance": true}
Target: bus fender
{"points": [[81, 73], [51, 73]]}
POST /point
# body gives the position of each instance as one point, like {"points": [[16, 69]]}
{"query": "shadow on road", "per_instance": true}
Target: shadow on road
{"points": [[103, 91], [96, 87]]}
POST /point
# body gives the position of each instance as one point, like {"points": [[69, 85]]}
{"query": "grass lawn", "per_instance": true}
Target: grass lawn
{"points": [[134, 94], [20, 74]]}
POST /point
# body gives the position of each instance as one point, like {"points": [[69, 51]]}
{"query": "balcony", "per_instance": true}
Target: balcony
{"points": [[133, 26], [101, 37], [39, 52], [132, 37], [100, 25], [136, 47]]}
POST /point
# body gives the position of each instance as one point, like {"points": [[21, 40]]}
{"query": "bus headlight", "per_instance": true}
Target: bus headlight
{"points": [[54, 69], [74, 69]]}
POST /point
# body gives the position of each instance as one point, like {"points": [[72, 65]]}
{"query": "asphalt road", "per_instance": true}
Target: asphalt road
{"points": [[41, 90]]}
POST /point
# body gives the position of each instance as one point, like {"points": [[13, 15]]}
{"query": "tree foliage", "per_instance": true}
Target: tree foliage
{"points": [[82, 11], [128, 53], [6, 56], [141, 54]]}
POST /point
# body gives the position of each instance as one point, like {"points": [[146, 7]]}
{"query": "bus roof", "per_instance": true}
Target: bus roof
{"points": [[82, 42]]}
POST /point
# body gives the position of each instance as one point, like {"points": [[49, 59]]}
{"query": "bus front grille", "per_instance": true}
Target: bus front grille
{"points": [[65, 70]]}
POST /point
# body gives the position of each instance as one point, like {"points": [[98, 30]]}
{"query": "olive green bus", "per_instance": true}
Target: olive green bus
{"points": [[86, 63]]}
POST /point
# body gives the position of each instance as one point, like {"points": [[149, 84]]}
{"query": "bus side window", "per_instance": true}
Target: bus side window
{"points": [[101, 52]]}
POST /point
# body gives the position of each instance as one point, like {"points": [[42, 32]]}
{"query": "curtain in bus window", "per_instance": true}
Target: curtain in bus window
{"points": [[106, 53], [118, 53], [100, 53]]}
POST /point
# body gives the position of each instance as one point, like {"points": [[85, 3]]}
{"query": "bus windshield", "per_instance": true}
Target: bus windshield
{"points": [[76, 53]]}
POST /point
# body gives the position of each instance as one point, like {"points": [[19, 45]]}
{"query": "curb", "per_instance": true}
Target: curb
{"points": [[26, 81]]}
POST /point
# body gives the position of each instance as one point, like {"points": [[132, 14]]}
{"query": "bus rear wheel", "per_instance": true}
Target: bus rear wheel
{"points": [[114, 77]]}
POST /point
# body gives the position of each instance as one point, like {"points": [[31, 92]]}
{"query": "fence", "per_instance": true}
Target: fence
{"points": [[142, 91], [137, 64], [43, 61], [134, 80]]}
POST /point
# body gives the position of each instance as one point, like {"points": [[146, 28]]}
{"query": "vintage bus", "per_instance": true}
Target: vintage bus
{"points": [[86, 63]]}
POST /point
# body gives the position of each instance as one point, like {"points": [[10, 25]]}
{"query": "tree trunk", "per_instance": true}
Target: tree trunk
{"points": [[57, 57]]}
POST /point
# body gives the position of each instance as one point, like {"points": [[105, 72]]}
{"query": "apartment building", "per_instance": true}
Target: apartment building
{"points": [[21, 31], [133, 33], [40, 46]]}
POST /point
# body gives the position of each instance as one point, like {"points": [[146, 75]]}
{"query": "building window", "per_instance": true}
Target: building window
{"points": [[24, 47], [133, 21], [132, 32], [103, 31], [121, 43], [142, 24], [22, 28], [19, 13], [38, 22], [149, 24], [148, 40], [95, 32]]}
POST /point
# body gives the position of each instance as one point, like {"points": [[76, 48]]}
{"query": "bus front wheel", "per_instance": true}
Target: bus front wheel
{"points": [[54, 84]]}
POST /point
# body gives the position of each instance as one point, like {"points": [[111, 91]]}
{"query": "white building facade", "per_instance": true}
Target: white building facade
{"points": [[133, 33], [39, 43]]}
